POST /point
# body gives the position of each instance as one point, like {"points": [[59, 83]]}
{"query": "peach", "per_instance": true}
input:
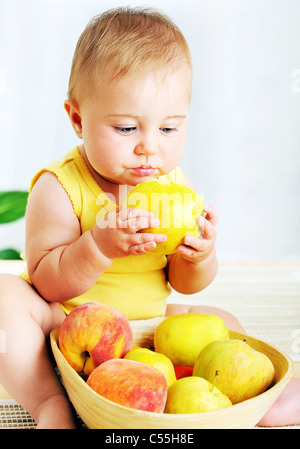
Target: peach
{"points": [[92, 334], [131, 384]]}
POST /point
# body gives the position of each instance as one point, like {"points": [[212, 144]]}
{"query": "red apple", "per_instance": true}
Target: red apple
{"points": [[130, 383], [183, 371], [92, 334]]}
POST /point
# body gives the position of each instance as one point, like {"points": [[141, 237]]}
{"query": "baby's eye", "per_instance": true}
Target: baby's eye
{"points": [[168, 130], [125, 130]]}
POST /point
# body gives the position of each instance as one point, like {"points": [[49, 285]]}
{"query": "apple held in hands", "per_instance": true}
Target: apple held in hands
{"points": [[154, 359], [175, 205], [181, 337], [194, 395], [130, 383], [92, 334], [242, 371]]}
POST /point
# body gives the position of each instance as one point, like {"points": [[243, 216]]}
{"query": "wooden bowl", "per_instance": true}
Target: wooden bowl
{"points": [[100, 413]]}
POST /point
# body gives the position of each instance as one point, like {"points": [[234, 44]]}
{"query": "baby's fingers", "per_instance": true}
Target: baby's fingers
{"points": [[211, 214], [144, 242], [134, 220], [208, 230]]}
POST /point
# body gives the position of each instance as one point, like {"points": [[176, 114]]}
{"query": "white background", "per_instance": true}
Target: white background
{"points": [[243, 146]]}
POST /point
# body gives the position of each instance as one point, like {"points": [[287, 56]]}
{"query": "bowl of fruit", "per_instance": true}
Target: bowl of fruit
{"points": [[185, 371]]}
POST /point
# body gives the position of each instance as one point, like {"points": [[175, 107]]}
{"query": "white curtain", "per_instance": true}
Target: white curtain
{"points": [[243, 145]]}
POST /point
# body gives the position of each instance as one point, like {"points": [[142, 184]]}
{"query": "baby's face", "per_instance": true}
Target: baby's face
{"points": [[134, 128]]}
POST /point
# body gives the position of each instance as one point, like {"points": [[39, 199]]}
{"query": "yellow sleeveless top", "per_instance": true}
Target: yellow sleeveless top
{"points": [[136, 285]]}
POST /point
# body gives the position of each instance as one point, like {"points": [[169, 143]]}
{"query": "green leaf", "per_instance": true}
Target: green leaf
{"points": [[9, 254], [12, 205]]}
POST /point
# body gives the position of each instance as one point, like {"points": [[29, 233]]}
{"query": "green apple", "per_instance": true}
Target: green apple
{"points": [[194, 395], [242, 371], [181, 337]]}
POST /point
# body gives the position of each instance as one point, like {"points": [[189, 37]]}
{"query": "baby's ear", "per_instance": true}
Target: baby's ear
{"points": [[73, 111]]}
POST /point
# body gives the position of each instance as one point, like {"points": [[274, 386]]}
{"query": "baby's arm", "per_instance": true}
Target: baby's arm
{"points": [[194, 266], [62, 262]]}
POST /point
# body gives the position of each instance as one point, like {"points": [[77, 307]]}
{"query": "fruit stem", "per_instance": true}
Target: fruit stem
{"points": [[213, 384]]}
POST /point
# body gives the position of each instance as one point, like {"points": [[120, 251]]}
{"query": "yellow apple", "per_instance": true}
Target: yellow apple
{"points": [[181, 337], [154, 359], [175, 205], [242, 372], [194, 395]]}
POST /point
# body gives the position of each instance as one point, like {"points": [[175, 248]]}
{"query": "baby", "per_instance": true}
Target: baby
{"points": [[128, 100]]}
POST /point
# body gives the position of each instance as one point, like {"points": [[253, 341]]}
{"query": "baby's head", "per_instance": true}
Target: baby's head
{"points": [[129, 95], [124, 41]]}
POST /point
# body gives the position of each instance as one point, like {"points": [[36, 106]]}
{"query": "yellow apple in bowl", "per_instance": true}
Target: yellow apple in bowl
{"points": [[194, 395], [181, 337], [243, 372], [154, 359], [92, 334]]}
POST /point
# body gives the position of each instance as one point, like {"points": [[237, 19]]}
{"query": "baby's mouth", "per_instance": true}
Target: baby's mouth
{"points": [[144, 170]]}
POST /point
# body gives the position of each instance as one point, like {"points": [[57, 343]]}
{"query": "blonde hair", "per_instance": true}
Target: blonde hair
{"points": [[124, 40]]}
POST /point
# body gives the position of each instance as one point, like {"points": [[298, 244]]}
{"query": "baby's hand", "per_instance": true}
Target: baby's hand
{"points": [[198, 249], [117, 234]]}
